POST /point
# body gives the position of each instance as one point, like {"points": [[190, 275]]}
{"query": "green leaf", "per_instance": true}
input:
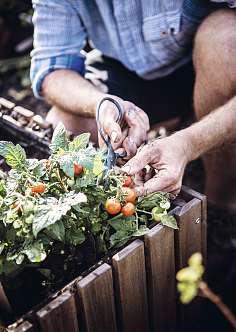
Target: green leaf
{"points": [[52, 210], [14, 155], [36, 252], [141, 231], [79, 142], [153, 200], [59, 139], [75, 237], [57, 231], [98, 166], [169, 220]]}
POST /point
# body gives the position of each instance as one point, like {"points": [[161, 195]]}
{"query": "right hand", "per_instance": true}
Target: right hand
{"points": [[136, 126]]}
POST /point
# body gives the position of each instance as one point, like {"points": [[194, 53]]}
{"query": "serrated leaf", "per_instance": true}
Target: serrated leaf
{"points": [[36, 252], [57, 231], [79, 142], [141, 231], [75, 237], [14, 155], [52, 210], [98, 166], [59, 139], [169, 220]]}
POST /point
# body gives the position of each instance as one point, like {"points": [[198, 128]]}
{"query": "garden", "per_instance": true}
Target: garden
{"points": [[79, 251]]}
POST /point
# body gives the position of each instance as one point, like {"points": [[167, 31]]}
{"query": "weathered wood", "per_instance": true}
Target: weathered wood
{"points": [[188, 240], [23, 327], [190, 194], [130, 288], [96, 298], [59, 315], [160, 267]]}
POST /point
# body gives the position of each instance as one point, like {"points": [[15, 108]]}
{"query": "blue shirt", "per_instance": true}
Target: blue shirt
{"points": [[149, 37]]}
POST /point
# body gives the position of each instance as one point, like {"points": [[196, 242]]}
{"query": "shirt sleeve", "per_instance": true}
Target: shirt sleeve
{"points": [[59, 36]]}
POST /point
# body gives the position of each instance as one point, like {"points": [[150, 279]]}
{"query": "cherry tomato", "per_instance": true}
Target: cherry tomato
{"points": [[128, 209], [38, 188], [130, 195], [78, 169], [128, 182], [112, 206]]}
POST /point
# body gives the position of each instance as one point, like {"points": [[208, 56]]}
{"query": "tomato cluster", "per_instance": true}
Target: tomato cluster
{"points": [[114, 206]]}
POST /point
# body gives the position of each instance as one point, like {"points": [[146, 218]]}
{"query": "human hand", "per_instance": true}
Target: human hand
{"points": [[132, 130], [167, 158]]}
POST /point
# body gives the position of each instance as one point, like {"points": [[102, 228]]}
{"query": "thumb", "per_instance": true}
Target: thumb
{"points": [[137, 163], [113, 130]]}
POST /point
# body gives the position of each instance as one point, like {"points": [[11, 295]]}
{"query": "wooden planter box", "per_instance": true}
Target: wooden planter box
{"points": [[135, 290]]}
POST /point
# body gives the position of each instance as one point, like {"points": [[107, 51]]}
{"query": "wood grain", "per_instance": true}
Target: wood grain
{"points": [[160, 267], [130, 288], [59, 315], [96, 298]]}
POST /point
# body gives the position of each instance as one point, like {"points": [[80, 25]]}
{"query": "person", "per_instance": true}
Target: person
{"points": [[146, 50]]}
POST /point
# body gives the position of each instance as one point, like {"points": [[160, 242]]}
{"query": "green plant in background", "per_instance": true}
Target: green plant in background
{"points": [[190, 285]]}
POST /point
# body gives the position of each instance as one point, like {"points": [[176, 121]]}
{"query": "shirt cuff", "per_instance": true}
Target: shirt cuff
{"points": [[40, 68]]}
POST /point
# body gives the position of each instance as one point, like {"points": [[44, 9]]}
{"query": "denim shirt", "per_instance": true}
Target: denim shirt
{"points": [[149, 37]]}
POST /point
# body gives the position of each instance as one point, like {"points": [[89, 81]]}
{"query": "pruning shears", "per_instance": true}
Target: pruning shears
{"points": [[112, 156]]}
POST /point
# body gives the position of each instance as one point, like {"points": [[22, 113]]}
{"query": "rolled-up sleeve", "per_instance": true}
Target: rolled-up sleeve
{"points": [[59, 36]]}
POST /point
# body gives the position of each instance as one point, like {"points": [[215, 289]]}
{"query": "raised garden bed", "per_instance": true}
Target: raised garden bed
{"points": [[130, 288]]}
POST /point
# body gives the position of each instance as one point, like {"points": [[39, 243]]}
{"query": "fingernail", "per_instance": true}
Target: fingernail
{"points": [[114, 136], [131, 140]]}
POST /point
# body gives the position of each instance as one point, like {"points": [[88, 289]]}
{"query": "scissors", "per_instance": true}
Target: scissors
{"points": [[112, 156]]}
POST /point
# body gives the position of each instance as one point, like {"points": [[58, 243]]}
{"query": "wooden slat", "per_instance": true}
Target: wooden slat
{"points": [[96, 298], [23, 327], [59, 315], [160, 266], [130, 288], [188, 240], [190, 193]]}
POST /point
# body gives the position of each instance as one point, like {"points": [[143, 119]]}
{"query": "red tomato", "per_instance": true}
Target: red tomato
{"points": [[128, 209], [112, 206], [128, 182], [130, 195], [78, 169], [38, 188]]}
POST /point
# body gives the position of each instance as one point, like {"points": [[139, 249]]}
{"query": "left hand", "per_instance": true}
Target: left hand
{"points": [[167, 158]]}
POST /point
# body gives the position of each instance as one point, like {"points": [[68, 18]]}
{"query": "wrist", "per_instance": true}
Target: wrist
{"points": [[183, 140]]}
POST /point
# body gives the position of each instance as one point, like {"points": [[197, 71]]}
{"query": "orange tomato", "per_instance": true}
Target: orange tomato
{"points": [[130, 195], [128, 209], [78, 169], [112, 206], [38, 188]]}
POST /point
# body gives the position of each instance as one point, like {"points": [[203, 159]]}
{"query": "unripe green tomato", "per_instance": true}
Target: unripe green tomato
{"points": [[157, 214], [165, 205], [70, 182], [29, 219], [29, 207]]}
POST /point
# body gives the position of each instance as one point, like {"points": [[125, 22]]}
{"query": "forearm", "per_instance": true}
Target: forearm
{"points": [[69, 91], [211, 132]]}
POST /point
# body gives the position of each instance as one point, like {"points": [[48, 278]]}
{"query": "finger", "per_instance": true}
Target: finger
{"points": [[138, 162], [130, 147], [144, 117], [137, 129], [160, 182]]}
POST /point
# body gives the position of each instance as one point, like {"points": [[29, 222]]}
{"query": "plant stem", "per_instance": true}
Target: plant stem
{"points": [[143, 211], [208, 293]]}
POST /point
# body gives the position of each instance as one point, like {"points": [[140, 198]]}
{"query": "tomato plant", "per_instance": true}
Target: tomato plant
{"points": [[67, 199]]}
